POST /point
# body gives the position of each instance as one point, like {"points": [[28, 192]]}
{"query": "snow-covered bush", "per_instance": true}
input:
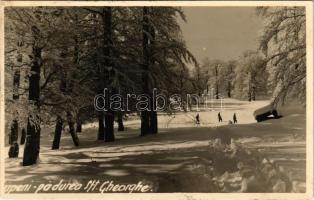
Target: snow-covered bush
{"points": [[238, 169]]}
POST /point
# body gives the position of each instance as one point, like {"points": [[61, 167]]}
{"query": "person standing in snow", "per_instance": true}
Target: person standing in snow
{"points": [[197, 119], [235, 118], [219, 117]]}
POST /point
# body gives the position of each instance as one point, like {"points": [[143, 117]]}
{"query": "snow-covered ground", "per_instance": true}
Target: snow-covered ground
{"points": [[166, 160]]}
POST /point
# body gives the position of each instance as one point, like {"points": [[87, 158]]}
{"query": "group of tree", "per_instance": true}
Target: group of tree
{"points": [[58, 59], [215, 77], [244, 78], [277, 68]]}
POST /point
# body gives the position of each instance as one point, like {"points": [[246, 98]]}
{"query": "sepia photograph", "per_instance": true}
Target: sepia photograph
{"points": [[157, 99]]}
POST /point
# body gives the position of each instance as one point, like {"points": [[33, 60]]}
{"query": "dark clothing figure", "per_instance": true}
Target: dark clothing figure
{"points": [[235, 118], [219, 117], [197, 119]]}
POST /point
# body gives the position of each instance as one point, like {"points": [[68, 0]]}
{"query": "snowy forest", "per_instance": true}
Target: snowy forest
{"points": [[57, 59]]}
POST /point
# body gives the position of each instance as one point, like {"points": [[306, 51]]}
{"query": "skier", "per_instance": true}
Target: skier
{"points": [[219, 117], [235, 118], [197, 119]]}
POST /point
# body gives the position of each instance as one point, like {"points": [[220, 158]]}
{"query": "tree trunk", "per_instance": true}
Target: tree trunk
{"points": [[108, 73], [66, 89], [100, 79], [101, 126], [32, 146], [144, 123], [14, 147], [120, 122], [58, 132], [250, 92], [253, 93], [23, 136], [109, 127], [217, 87], [76, 62], [229, 90], [145, 76], [153, 124], [72, 129], [78, 126]]}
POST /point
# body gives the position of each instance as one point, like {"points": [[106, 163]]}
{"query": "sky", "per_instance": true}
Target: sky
{"points": [[220, 32]]}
